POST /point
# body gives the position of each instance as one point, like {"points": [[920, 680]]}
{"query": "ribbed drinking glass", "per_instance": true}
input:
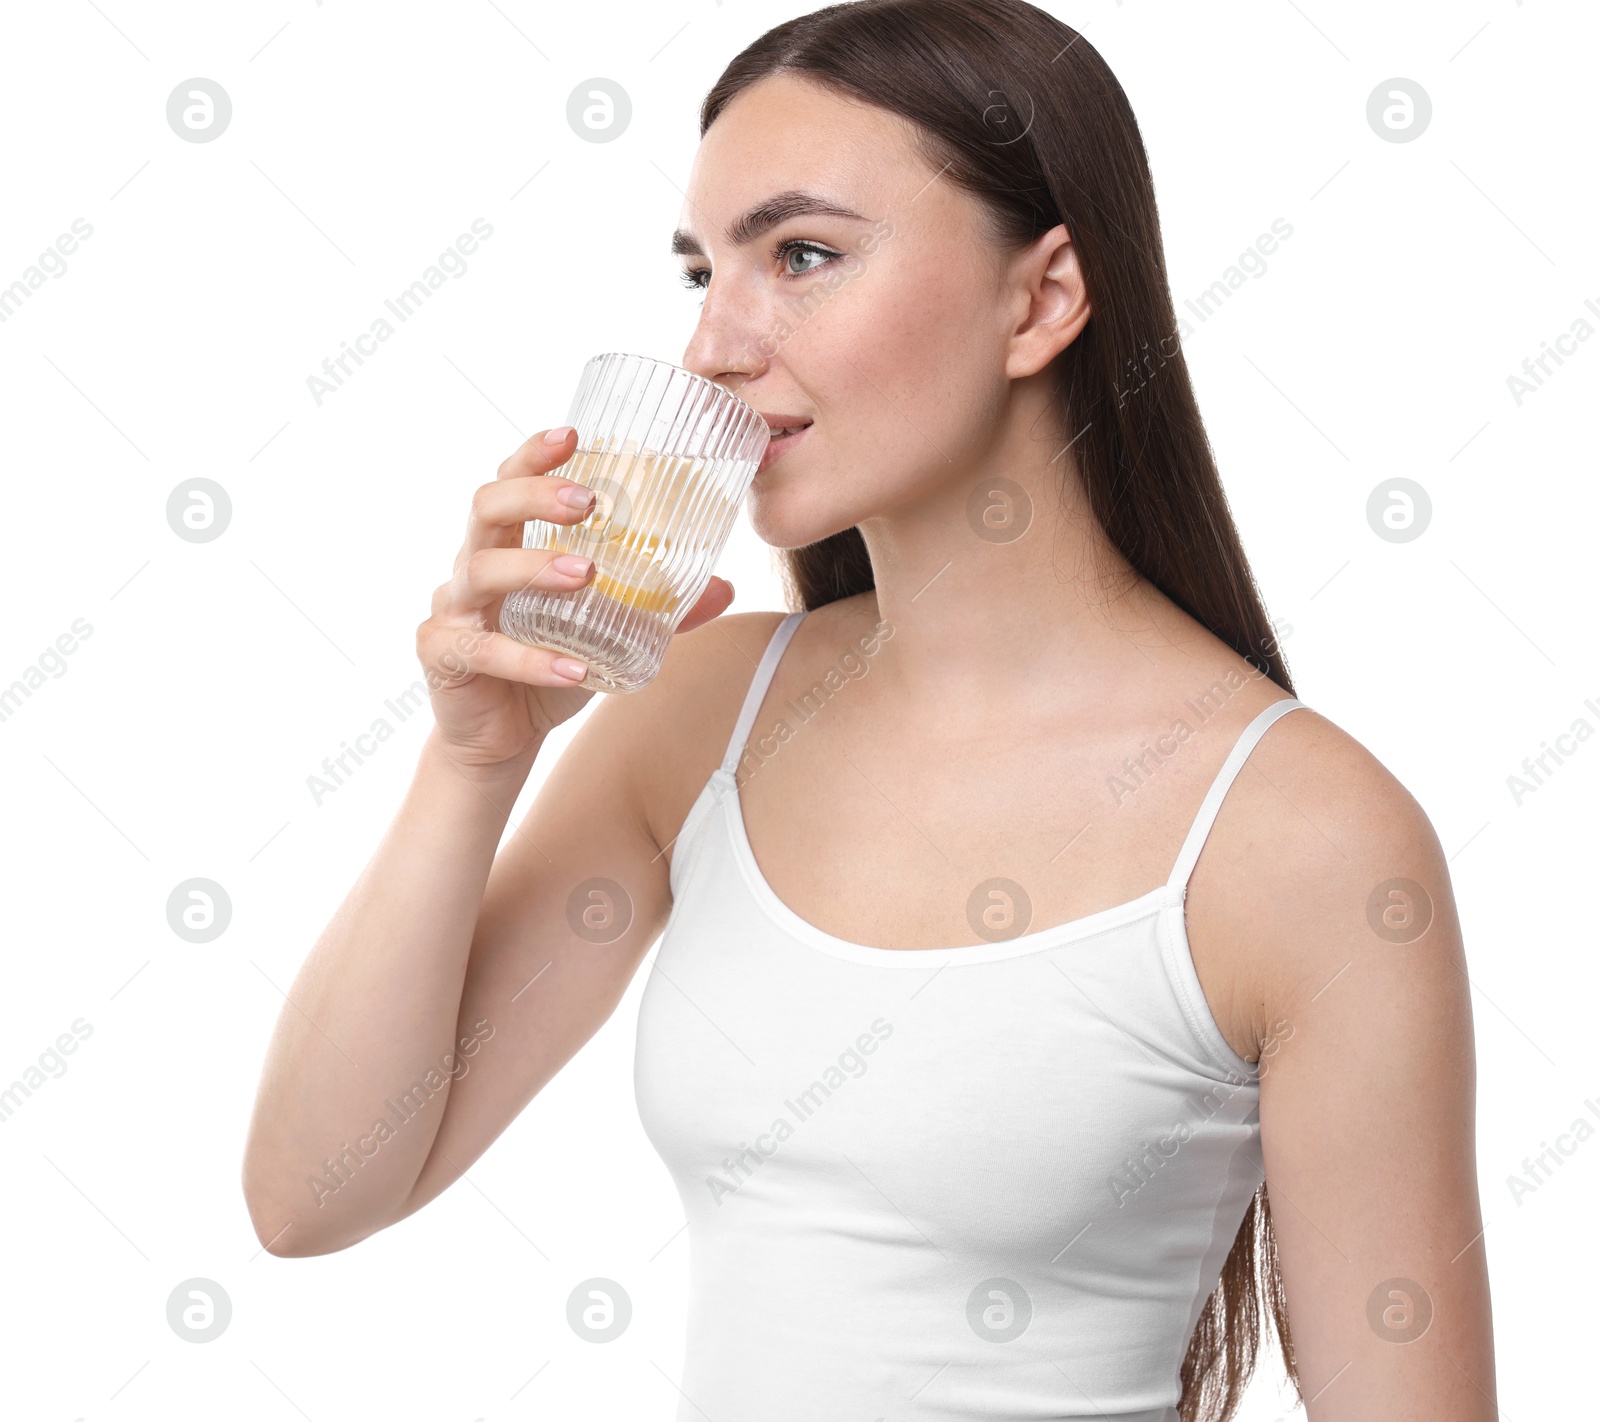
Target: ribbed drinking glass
{"points": [[669, 455]]}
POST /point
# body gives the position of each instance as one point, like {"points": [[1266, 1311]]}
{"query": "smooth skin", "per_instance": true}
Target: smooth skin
{"points": [[1027, 672]]}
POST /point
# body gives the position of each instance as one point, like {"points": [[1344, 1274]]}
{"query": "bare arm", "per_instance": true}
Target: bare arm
{"points": [[372, 1017], [575, 901], [1367, 1098], [411, 997]]}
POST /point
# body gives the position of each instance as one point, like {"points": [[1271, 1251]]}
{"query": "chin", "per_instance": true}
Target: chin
{"points": [[785, 519]]}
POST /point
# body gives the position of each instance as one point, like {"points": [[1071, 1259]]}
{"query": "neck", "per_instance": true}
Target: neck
{"points": [[1003, 577]]}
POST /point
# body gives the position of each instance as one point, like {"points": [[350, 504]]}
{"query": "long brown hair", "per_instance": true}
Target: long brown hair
{"points": [[1021, 112]]}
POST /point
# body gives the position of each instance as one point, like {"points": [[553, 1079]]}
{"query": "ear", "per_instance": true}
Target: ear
{"points": [[1048, 286]]}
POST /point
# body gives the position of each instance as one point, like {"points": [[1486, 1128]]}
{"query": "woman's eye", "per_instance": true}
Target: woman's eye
{"points": [[699, 278], [791, 250]]}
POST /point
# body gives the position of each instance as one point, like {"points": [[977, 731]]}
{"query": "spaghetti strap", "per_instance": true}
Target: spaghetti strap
{"points": [[1190, 853], [758, 689]]}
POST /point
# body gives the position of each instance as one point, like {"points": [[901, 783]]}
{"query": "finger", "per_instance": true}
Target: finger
{"points": [[535, 456], [493, 573], [714, 601], [499, 510], [452, 655], [540, 454]]}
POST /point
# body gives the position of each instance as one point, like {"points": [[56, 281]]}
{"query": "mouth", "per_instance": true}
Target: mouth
{"points": [[787, 431]]}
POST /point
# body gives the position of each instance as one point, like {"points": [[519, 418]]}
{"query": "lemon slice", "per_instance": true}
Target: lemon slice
{"points": [[645, 599], [633, 579], [646, 493]]}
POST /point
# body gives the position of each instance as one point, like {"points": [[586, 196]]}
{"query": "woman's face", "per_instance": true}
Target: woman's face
{"points": [[892, 331]]}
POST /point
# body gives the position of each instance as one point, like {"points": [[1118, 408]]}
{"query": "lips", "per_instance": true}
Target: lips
{"points": [[787, 431], [786, 424]]}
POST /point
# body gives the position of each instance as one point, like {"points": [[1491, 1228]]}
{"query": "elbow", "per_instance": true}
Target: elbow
{"points": [[288, 1237], [290, 1232], [278, 1230]]}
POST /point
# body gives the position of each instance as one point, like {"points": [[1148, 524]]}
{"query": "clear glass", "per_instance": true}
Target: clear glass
{"points": [[669, 455]]}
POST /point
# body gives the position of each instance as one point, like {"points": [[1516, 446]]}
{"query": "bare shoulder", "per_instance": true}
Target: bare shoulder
{"points": [[679, 724], [1339, 894], [1321, 865]]}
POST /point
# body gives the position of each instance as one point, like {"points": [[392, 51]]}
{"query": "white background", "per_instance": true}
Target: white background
{"points": [[178, 741]]}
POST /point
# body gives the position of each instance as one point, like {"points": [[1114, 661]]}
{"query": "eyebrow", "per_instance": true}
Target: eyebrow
{"points": [[762, 218]]}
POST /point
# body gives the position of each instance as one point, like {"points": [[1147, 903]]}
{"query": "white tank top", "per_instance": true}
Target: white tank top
{"points": [[993, 1181]]}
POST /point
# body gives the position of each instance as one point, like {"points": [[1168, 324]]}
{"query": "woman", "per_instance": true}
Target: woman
{"points": [[1022, 936]]}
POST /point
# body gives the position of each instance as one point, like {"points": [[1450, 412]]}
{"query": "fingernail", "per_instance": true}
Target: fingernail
{"points": [[574, 497], [557, 435], [572, 563], [565, 666]]}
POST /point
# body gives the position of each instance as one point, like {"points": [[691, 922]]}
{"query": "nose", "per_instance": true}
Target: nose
{"points": [[724, 347]]}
